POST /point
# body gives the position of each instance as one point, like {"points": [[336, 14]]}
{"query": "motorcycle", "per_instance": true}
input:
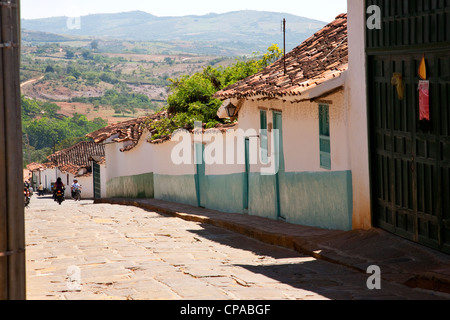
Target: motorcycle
{"points": [[59, 196], [26, 197], [76, 194]]}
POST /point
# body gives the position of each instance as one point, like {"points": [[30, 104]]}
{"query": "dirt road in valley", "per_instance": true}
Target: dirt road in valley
{"points": [[31, 81]]}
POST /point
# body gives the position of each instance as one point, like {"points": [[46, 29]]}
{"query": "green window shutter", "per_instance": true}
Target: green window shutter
{"points": [[324, 131], [263, 135]]}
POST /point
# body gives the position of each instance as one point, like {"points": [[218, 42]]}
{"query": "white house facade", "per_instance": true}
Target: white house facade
{"points": [[288, 157]]}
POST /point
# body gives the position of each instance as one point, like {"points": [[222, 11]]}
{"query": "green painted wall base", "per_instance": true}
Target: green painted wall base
{"points": [[322, 199], [225, 193], [319, 199], [179, 189], [139, 186]]}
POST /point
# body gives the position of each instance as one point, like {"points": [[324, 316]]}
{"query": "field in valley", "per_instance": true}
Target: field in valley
{"points": [[72, 77]]}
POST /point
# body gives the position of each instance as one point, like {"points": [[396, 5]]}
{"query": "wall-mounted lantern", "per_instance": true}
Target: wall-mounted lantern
{"points": [[231, 110]]}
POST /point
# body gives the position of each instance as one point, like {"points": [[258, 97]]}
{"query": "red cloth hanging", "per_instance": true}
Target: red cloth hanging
{"points": [[424, 100]]}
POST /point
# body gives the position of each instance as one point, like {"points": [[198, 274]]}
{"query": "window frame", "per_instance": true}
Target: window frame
{"points": [[264, 140], [325, 136]]}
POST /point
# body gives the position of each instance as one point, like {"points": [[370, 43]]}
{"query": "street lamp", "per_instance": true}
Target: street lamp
{"points": [[231, 110]]}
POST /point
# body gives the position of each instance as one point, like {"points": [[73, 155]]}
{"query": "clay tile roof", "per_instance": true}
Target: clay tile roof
{"points": [[77, 157], [40, 166], [122, 128], [35, 166], [130, 130], [222, 128], [320, 58]]}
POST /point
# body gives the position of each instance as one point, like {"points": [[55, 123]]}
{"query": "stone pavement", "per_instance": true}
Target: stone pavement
{"points": [[401, 261], [87, 251]]}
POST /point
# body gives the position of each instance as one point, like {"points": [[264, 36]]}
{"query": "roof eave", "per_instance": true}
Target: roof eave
{"points": [[325, 87], [308, 94]]}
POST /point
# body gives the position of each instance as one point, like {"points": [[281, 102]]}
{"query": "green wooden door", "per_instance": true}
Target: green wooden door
{"points": [[97, 181], [411, 159], [200, 178], [279, 160], [246, 184]]}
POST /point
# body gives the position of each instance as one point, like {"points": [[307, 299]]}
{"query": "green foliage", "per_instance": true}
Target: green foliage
{"points": [[188, 90], [33, 108], [94, 45], [192, 96], [109, 77], [30, 108], [122, 101], [91, 70], [70, 53], [69, 142], [31, 154], [273, 54], [44, 128], [46, 132]]}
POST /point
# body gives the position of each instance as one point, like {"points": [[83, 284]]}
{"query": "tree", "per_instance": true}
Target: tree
{"points": [[49, 69], [70, 53], [30, 108], [87, 55], [273, 54], [72, 70], [50, 110], [169, 61], [190, 89], [45, 128], [94, 45], [191, 97]]}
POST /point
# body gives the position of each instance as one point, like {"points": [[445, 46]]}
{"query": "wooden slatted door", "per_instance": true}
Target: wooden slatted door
{"points": [[410, 158], [200, 177], [97, 181], [279, 160], [246, 180]]}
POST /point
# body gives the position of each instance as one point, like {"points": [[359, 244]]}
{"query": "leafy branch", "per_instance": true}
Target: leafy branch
{"points": [[191, 97]]}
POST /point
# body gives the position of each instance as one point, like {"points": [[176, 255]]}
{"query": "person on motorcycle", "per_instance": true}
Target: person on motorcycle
{"points": [[59, 185], [27, 187], [75, 187], [41, 190], [27, 194]]}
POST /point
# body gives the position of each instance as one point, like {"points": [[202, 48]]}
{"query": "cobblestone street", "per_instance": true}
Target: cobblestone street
{"points": [[86, 251]]}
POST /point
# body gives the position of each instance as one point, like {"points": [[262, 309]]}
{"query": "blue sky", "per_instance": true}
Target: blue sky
{"points": [[324, 10]]}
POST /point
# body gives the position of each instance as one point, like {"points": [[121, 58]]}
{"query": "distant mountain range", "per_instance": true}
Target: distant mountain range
{"points": [[258, 28]]}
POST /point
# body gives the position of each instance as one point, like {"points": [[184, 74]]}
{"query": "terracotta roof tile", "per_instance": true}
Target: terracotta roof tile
{"points": [[40, 166], [35, 166], [77, 157], [321, 57], [121, 128], [130, 130], [219, 127]]}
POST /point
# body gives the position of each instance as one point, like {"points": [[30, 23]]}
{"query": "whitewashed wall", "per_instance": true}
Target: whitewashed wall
{"points": [[301, 141], [357, 114]]}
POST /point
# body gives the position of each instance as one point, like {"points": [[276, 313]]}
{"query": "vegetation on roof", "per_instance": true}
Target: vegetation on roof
{"points": [[191, 97]]}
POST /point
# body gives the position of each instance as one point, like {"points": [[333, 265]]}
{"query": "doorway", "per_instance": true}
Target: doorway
{"points": [[279, 160], [97, 180], [200, 177], [410, 160]]}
